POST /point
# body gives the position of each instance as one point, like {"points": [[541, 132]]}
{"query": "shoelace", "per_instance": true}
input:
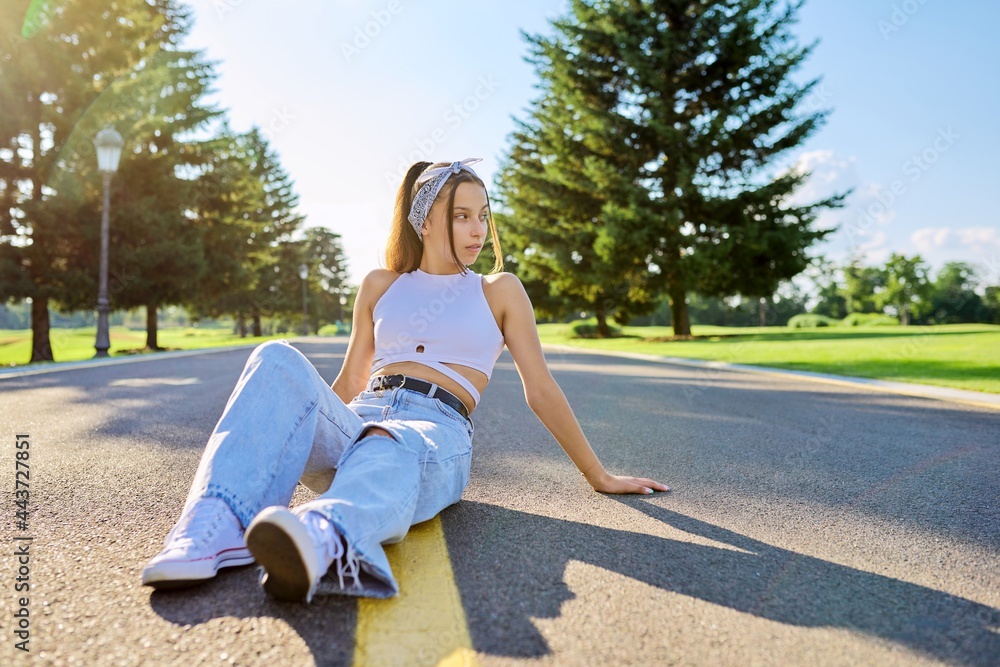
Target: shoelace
{"points": [[199, 524], [349, 566], [328, 541], [320, 530]]}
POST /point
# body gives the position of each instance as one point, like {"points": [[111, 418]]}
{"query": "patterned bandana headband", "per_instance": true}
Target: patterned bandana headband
{"points": [[433, 180]]}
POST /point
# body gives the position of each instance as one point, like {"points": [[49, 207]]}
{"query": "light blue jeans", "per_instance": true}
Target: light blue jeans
{"points": [[284, 424]]}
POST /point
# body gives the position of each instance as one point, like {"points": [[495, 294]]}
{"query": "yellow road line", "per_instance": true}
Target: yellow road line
{"points": [[425, 624]]}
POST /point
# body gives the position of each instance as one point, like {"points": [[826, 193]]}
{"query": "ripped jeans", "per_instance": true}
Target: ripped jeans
{"points": [[284, 424]]}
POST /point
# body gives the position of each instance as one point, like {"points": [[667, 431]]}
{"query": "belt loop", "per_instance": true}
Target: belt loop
{"points": [[433, 391]]}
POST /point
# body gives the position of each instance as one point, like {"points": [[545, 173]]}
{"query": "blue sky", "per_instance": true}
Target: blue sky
{"points": [[350, 92]]}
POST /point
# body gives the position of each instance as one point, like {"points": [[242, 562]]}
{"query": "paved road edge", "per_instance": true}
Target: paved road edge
{"points": [[55, 367], [973, 398]]}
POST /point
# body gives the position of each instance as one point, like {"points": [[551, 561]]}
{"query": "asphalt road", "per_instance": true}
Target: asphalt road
{"points": [[809, 524]]}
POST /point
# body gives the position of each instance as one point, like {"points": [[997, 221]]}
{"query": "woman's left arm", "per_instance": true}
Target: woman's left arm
{"points": [[546, 399]]}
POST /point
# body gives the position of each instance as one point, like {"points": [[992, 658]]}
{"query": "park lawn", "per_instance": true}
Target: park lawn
{"points": [[78, 344], [962, 356]]}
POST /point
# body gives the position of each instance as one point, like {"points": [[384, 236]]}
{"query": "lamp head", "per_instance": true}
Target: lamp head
{"points": [[109, 149]]}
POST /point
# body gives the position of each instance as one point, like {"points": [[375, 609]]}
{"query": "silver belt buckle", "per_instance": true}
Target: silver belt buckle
{"points": [[380, 392]]}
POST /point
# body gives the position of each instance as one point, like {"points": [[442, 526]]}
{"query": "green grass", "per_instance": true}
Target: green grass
{"points": [[963, 356], [78, 344]]}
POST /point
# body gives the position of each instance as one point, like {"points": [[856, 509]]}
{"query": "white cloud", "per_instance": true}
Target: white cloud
{"points": [[969, 242], [982, 244], [875, 251], [929, 239], [871, 190], [827, 219], [823, 160], [979, 237], [829, 174], [979, 246]]}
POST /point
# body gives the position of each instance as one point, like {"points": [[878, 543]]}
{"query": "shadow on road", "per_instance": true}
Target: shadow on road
{"points": [[917, 462], [510, 568], [326, 625]]}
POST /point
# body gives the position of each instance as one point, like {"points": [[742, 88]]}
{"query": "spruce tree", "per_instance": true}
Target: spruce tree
{"points": [[51, 60], [649, 162], [245, 210], [77, 67], [327, 275], [276, 219]]}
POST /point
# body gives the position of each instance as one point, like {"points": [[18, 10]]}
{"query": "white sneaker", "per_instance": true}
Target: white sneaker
{"points": [[294, 549], [207, 537]]}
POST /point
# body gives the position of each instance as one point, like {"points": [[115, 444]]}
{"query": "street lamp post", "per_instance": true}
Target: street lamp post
{"points": [[109, 150], [304, 273]]}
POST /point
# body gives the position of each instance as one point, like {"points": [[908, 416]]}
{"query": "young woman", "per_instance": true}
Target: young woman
{"points": [[390, 445]]}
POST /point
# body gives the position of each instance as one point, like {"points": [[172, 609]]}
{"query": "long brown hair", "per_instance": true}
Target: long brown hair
{"points": [[404, 248]]}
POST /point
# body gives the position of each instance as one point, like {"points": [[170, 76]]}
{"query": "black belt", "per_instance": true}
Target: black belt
{"points": [[383, 382]]}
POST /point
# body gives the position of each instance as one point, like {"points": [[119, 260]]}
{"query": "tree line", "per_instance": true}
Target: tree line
{"points": [[900, 291], [902, 288], [202, 216]]}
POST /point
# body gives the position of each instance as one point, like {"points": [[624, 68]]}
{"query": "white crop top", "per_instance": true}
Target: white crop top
{"points": [[437, 319]]}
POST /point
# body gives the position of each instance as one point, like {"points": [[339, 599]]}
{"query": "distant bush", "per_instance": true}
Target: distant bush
{"points": [[811, 321], [589, 330], [869, 320], [334, 330]]}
